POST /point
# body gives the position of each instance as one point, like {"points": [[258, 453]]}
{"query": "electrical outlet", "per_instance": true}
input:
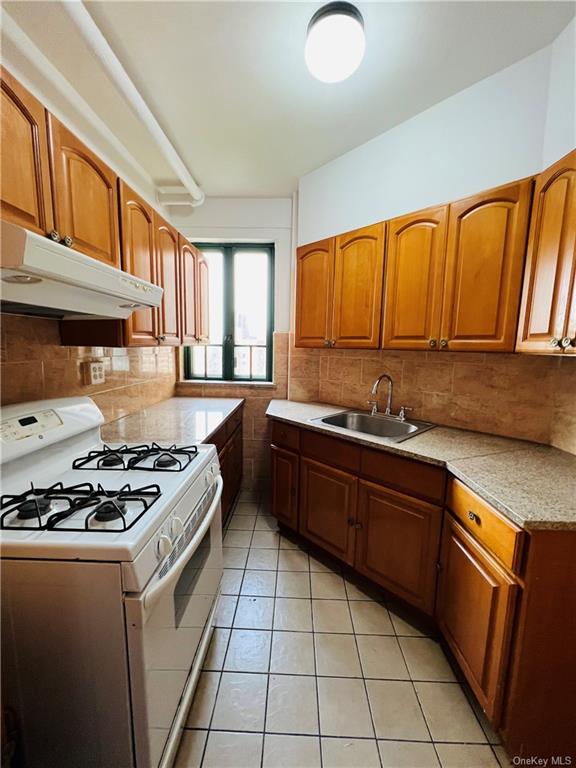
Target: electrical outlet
{"points": [[94, 373]]}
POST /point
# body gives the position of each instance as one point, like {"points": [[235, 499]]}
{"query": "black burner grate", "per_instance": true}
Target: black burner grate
{"points": [[150, 458]]}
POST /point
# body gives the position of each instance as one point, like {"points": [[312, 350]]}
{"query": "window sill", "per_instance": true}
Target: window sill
{"points": [[219, 383]]}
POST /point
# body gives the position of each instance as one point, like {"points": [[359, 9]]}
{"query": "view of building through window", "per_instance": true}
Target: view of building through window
{"points": [[241, 315]]}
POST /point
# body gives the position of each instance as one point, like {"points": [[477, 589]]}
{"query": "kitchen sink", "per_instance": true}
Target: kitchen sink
{"points": [[388, 427]]}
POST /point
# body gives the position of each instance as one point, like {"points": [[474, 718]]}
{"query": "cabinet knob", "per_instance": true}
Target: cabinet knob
{"points": [[554, 342], [432, 343], [161, 337], [351, 521], [566, 342], [358, 526], [332, 342], [474, 517], [54, 235], [68, 241], [326, 342], [443, 343]]}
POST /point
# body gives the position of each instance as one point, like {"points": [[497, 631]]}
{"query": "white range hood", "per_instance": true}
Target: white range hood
{"points": [[41, 277]]}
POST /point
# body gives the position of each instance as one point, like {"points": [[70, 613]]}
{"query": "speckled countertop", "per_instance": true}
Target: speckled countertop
{"points": [[183, 420], [533, 485]]}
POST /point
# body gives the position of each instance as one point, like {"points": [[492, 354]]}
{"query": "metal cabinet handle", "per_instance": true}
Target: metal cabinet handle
{"points": [[326, 342], [554, 342], [68, 241], [432, 343], [566, 342], [54, 235], [162, 337], [358, 526], [332, 342], [474, 517], [443, 343]]}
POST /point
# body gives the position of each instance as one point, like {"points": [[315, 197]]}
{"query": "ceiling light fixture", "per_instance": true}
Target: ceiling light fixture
{"points": [[335, 42]]}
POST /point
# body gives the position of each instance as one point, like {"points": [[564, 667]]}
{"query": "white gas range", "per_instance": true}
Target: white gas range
{"points": [[111, 563]]}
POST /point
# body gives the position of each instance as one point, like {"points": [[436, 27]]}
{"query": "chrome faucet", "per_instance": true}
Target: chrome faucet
{"points": [[374, 392]]}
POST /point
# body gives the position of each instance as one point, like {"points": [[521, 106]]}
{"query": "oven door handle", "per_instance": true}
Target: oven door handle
{"points": [[150, 597]]}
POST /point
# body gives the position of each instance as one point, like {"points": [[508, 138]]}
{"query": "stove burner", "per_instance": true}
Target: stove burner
{"points": [[110, 460], [103, 506], [32, 508], [110, 510], [164, 461]]}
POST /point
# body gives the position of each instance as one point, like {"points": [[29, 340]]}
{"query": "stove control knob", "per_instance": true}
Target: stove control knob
{"points": [[163, 546], [177, 527]]}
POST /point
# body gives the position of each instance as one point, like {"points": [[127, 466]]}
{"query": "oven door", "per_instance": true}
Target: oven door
{"points": [[168, 628]]}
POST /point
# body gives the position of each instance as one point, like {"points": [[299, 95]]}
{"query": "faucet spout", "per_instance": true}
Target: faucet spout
{"points": [[374, 393]]}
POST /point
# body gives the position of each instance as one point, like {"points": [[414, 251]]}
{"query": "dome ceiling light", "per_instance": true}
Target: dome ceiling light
{"points": [[335, 42]]}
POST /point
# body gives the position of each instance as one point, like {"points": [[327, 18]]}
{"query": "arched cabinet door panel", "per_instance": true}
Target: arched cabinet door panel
{"points": [[167, 277], [188, 291], [548, 311], [314, 292], [358, 277], [415, 256], [138, 258], [202, 298], [25, 193], [484, 265], [85, 198]]}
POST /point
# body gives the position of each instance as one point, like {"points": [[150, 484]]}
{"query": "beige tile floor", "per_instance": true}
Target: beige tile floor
{"points": [[309, 670]]}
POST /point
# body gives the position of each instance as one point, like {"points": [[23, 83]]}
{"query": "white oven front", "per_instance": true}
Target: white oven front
{"points": [[168, 627]]}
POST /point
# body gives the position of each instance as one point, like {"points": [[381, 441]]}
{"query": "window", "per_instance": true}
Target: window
{"points": [[241, 306]]}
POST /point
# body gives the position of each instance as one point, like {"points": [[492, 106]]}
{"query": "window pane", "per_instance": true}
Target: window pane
{"points": [[242, 362], [214, 362], [259, 362], [198, 365], [215, 294], [250, 296]]}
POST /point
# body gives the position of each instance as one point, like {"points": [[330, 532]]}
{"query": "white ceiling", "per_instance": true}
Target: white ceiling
{"points": [[227, 80]]}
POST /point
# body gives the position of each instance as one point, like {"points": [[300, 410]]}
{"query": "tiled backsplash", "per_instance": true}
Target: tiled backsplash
{"points": [[530, 397], [34, 366], [256, 437]]}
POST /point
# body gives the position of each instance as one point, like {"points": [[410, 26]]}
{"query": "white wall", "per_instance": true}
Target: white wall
{"points": [[267, 220], [560, 126], [490, 133]]}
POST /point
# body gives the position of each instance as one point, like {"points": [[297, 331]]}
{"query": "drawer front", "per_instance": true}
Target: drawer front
{"points": [[425, 481], [501, 537], [285, 435], [331, 451], [233, 422]]}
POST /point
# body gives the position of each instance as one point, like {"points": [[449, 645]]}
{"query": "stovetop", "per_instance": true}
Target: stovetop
{"points": [[150, 457], [81, 507]]}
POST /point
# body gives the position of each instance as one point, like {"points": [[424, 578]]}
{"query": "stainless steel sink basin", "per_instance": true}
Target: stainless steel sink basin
{"points": [[388, 427]]}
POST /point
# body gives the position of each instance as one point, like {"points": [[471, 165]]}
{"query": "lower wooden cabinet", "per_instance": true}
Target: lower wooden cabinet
{"points": [[285, 486], [475, 608], [328, 500], [397, 543], [230, 458]]}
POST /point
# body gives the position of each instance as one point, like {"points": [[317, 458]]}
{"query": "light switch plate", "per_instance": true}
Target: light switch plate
{"points": [[94, 373]]}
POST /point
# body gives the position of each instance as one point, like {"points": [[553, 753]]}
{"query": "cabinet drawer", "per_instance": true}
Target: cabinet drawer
{"points": [[416, 478], [233, 422], [285, 435], [331, 451], [499, 535]]}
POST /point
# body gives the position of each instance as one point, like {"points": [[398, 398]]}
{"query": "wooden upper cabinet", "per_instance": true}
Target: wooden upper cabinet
{"points": [[85, 198], [314, 292], [202, 299], [138, 258], [358, 276], [188, 291], [397, 543], [328, 500], [25, 194], [474, 609], [167, 277], [484, 265], [548, 310], [415, 257]]}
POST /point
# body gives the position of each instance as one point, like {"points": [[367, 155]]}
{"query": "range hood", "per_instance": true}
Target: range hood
{"points": [[41, 277]]}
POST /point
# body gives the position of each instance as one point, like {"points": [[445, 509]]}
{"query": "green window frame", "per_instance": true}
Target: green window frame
{"points": [[229, 345]]}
